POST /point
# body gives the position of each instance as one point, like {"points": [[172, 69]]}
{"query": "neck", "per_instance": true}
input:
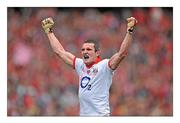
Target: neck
{"points": [[98, 59]]}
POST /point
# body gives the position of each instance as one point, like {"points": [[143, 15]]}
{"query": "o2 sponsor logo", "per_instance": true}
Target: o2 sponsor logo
{"points": [[85, 82]]}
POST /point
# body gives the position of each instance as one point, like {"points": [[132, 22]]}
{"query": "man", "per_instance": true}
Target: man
{"points": [[95, 75]]}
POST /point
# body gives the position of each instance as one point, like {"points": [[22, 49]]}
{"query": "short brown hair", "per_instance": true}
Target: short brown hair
{"points": [[96, 44]]}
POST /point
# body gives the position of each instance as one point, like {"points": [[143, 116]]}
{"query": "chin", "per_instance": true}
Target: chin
{"points": [[87, 62]]}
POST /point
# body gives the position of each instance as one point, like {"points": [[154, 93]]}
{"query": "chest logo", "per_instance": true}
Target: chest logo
{"points": [[84, 81]]}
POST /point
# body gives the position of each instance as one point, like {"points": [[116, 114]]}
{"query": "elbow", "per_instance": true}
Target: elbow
{"points": [[60, 53], [56, 51], [123, 54]]}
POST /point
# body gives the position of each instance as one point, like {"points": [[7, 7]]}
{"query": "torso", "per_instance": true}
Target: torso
{"points": [[94, 84]]}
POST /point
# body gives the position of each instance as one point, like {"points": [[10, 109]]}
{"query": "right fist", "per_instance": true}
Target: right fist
{"points": [[131, 22], [47, 25]]}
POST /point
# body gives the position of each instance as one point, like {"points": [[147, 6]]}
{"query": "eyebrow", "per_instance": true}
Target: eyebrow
{"points": [[86, 48]]}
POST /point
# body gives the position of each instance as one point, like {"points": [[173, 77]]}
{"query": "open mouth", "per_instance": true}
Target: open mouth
{"points": [[86, 56]]}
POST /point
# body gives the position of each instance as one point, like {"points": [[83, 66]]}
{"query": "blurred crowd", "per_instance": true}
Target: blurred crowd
{"points": [[40, 84]]}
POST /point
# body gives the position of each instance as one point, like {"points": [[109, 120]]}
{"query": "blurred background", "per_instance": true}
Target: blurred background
{"points": [[40, 84]]}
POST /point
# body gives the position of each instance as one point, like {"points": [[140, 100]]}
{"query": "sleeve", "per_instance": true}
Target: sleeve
{"points": [[108, 68], [77, 63]]}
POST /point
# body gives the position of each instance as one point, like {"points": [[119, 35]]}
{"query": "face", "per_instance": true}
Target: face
{"points": [[88, 53]]}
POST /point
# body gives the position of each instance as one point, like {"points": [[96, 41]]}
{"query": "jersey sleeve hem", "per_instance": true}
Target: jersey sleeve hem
{"points": [[74, 62], [110, 66]]}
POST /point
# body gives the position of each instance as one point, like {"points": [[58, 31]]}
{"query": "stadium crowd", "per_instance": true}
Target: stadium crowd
{"points": [[41, 84]]}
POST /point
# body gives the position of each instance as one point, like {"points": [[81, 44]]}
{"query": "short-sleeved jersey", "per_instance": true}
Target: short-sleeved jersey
{"points": [[94, 85]]}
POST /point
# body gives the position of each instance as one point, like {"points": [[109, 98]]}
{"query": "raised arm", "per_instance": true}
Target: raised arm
{"points": [[67, 57], [119, 56]]}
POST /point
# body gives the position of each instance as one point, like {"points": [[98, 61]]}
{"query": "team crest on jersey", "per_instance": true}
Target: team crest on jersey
{"points": [[95, 71], [88, 71], [92, 71]]}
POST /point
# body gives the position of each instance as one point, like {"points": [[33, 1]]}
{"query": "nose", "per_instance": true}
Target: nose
{"points": [[85, 51]]}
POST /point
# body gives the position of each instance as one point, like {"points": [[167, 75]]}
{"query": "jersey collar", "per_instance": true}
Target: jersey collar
{"points": [[98, 59]]}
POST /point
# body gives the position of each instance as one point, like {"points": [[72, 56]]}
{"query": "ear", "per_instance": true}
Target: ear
{"points": [[98, 53]]}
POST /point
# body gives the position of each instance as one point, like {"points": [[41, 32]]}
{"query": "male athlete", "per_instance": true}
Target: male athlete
{"points": [[95, 75]]}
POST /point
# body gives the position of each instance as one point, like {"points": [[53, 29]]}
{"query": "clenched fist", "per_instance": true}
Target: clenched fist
{"points": [[131, 22], [47, 25]]}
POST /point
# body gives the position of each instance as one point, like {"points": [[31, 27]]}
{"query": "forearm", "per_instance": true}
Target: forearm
{"points": [[59, 50], [119, 56], [55, 44], [67, 57], [125, 44]]}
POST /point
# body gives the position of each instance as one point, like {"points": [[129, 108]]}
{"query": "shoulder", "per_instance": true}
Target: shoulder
{"points": [[105, 64], [77, 63], [104, 61], [78, 60]]}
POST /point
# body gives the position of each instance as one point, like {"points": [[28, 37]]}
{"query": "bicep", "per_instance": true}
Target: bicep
{"points": [[115, 60], [67, 57]]}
